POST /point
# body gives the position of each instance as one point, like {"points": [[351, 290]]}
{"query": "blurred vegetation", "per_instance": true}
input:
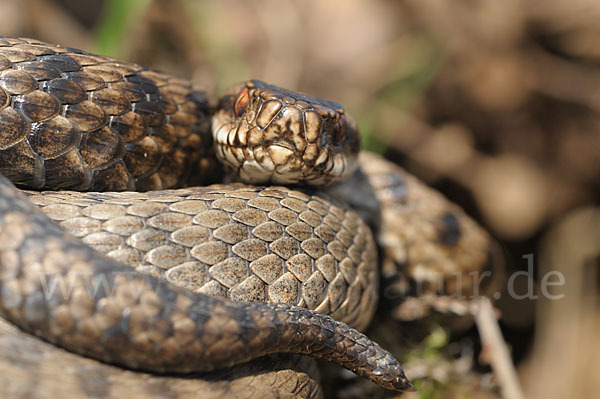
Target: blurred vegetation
{"points": [[116, 20], [408, 76]]}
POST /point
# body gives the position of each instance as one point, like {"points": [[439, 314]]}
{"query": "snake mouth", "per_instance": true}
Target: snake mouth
{"points": [[269, 134]]}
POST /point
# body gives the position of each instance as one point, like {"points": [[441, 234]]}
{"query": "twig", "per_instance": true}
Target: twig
{"points": [[499, 355]]}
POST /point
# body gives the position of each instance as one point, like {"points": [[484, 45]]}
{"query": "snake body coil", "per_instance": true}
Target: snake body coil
{"points": [[73, 120]]}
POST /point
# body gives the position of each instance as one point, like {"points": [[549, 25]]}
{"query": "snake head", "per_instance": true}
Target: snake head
{"points": [[269, 134]]}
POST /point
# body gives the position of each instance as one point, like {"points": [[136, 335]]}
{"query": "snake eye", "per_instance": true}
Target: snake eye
{"points": [[241, 103]]}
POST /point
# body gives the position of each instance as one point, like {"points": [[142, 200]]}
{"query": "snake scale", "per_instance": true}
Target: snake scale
{"points": [[182, 286]]}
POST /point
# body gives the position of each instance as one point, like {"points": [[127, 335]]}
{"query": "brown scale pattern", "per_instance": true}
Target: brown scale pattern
{"points": [[85, 122], [246, 244], [114, 314], [74, 120], [432, 252], [35, 376]]}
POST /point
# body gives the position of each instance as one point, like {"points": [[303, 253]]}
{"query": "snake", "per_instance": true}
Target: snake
{"points": [[153, 279]]}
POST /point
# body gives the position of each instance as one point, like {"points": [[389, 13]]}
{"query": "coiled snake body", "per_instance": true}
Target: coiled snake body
{"points": [[71, 120]]}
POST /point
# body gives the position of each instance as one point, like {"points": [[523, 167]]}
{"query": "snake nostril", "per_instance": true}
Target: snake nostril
{"points": [[241, 103]]}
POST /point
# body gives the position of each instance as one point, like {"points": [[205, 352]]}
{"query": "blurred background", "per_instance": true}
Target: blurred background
{"points": [[494, 103]]}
